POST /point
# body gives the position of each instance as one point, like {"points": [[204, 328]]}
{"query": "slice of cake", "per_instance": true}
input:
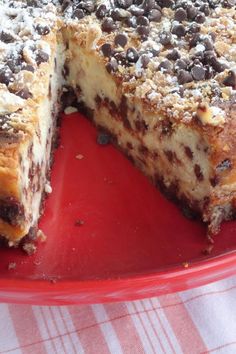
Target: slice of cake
{"points": [[31, 52], [159, 76]]}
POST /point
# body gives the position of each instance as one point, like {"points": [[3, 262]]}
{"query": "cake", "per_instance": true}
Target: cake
{"points": [[158, 76]]}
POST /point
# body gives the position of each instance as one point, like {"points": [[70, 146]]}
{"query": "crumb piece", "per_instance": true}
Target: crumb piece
{"points": [[48, 188], [37, 263], [12, 265], [103, 138], [208, 250], [29, 248], [70, 110], [79, 157], [41, 236], [79, 222], [185, 264]]}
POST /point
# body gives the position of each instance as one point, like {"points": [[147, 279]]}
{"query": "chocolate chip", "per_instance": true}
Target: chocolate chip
{"points": [[112, 66], [173, 55], [119, 14], [6, 76], [200, 18], [121, 40], [198, 72], [136, 10], [101, 11], [131, 21], [144, 59], [6, 37], [41, 57], [179, 30], [155, 15], [224, 165], [42, 30], [88, 6], [165, 38], [208, 44], [181, 64], [205, 8], [217, 65], [124, 4], [194, 40], [180, 14], [78, 13], [108, 25], [132, 55], [191, 12], [148, 5], [165, 66], [184, 77], [106, 49], [28, 67], [230, 80], [194, 28], [24, 93], [142, 21], [198, 173], [143, 31]]}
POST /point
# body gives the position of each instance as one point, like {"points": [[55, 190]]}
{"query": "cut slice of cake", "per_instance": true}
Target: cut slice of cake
{"points": [[31, 66], [159, 76]]}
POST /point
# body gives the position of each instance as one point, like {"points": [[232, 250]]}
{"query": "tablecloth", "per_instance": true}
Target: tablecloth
{"points": [[201, 320]]}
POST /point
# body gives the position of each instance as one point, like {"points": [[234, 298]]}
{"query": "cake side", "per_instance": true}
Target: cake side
{"points": [[165, 95]]}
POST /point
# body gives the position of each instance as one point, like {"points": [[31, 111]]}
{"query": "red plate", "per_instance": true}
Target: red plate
{"points": [[134, 243]]}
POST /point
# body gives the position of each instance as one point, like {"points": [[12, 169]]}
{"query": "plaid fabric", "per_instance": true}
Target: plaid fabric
{"points": [[197, 321]]}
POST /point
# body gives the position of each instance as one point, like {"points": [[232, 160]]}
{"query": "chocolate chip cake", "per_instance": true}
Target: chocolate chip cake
{"points": [[158, 75]]}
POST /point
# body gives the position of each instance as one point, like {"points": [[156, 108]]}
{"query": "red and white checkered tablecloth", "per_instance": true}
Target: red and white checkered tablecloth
{"points": [[196, 321]]}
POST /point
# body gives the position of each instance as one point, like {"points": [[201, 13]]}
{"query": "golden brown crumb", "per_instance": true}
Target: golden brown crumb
{"points": [[79, 157], [41, 236], [29, 248], [185, 264]]}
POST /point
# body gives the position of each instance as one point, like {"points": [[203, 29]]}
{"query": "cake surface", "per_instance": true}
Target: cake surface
{"points": [[159, 76]]}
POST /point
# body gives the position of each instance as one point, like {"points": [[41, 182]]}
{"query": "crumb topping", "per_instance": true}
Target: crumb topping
{"points": [[176, 56]]}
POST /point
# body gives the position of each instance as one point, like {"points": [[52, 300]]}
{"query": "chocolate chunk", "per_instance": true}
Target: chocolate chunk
{"points": [[205, 9], [194, 40], [188, 152], [132, 55], [119, 14], [6, 76], [184, 77], [148, 5], [165, 38], [106, 49], [108, 25], [42, 30], [179, 30], [101, 11], [112, 66], [173, 55], [41, 57], [230, 80], [194, 28], [198, 72], [180, 14], [121, 40], [6, 37], [155, 15]]}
